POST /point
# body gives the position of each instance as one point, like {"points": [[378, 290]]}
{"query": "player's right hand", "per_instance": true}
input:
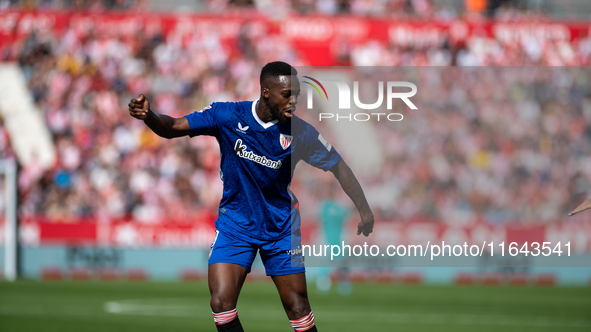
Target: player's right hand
{"points": [[365, 226], [139, 107]]}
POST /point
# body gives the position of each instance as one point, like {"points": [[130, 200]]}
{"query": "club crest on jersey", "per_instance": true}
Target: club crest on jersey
{"points": [[285, 141], [242, 129]]}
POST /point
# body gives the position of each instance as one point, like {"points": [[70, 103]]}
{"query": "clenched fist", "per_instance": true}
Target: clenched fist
{"points": [[139, 107]]}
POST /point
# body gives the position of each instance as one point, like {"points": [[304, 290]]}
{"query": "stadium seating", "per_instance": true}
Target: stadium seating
{"points": [[109, 164]]}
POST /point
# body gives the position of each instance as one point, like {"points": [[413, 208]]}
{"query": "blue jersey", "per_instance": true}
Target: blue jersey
{"points": [[257, 164]]}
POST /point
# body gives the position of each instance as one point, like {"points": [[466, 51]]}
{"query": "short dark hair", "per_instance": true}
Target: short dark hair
{"points": [[276, 69]]}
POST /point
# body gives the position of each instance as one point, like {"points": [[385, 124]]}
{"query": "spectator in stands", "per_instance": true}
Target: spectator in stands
{"points": [[505, 134]]}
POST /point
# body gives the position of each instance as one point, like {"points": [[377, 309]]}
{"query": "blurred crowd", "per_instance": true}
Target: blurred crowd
{"points": [[500, 145], [91, 5], [477, 52], [433, 9]]}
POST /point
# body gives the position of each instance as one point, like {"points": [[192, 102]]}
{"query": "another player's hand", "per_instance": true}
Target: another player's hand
{"points": [[139, 107], [365, 226], [584, 206]]}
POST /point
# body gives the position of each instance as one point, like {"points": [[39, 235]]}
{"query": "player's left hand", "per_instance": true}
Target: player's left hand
{"points": [[365, 226], [584, 206]]}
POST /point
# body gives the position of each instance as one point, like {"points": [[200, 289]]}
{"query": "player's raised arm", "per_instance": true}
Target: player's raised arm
{"points": [[353, 189], [163, 125], [586, 205]]}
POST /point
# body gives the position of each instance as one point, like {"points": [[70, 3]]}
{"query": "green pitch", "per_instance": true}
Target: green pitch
{"points": [[145, 307]]}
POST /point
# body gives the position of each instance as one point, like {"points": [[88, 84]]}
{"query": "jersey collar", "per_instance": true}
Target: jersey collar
{"points": [[265, 125]]}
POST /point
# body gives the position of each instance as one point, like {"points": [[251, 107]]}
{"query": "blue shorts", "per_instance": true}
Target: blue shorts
{"points": [[280, 257]]}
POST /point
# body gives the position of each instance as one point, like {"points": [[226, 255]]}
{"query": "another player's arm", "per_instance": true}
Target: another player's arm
{"points": [[353, 189], [162, 125], [586, 205]]}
